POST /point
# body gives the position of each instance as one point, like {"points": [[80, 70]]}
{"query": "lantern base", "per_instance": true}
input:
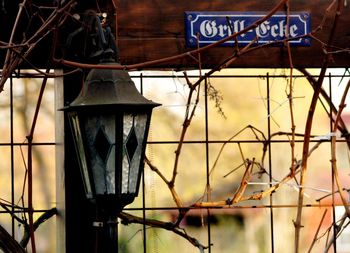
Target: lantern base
{"points": [[110, 204]]}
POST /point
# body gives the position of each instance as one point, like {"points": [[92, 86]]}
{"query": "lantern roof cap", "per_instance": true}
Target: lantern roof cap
{"points": [[110, 87]]}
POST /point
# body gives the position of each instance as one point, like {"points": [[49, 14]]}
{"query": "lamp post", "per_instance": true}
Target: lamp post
{"points": [[109, 121]]}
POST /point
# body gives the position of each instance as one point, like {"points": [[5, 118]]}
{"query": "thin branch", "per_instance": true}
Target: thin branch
{"points": [[12, 60], [9, 55], [317, 231], [8, 244], [290, 93], [156, 170], [341, 126], [334, 147], [244, 182], [190, 112], [171, 187], [262, 194], [325, 16], [6, 207], [330, 194], [333, 238], [127, 219], [44, 217]]}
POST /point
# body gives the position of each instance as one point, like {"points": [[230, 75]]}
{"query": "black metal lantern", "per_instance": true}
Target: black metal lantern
{"points": [[110, 121]]}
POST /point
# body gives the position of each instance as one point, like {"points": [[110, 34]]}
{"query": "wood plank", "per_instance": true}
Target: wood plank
{"points": [[154, 29]]}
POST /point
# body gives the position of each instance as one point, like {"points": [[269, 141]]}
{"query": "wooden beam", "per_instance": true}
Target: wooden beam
{"points": [[154, 29]]}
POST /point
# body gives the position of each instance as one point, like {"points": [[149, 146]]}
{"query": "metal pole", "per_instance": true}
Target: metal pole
{"points": [[270, 160], [207, 158], [106, 233], [112, 230]]}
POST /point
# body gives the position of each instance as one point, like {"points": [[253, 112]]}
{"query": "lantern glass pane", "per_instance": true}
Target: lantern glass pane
{"points": [[127, 126], [100, 132], [79, 145], [133, 139]]}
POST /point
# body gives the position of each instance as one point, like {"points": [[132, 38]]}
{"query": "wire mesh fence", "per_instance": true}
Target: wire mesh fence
{"points": [[241, 123]]}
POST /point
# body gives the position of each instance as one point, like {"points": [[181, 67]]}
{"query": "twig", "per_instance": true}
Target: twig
{"points": [[334, 148], [290, 94], [259, 195], [156, 170], [325, 15], [244, 182], [235, 169], [12, 61], [341, 126], [127, 219], [330, 194], [171, 187], [317, 231], [186, 123], [8, 244], [9, 55], [249, 127], [44, 217], [333, 238]]}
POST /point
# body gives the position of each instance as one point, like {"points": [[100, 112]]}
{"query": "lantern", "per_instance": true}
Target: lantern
{"points": [[110, 121]]}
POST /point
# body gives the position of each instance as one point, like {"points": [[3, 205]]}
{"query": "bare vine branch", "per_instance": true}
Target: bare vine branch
{"points": [[308, 126], [127, 219], [317, 231], [334, 150]]}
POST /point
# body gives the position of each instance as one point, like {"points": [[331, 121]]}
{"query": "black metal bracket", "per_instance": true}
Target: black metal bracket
{"points": [[93, 40]]}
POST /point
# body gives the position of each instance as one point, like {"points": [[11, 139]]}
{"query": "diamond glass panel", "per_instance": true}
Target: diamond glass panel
{"points": [[134, 131], [102, 145], [131, 144], [100, 131], [139, 127]]}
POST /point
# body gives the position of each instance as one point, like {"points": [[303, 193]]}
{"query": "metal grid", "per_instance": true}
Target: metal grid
{"points": [[20, 152], [145, 207], [270, 205]]}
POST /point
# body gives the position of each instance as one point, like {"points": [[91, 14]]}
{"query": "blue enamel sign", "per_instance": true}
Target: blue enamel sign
{"points": [[210, 27]]}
